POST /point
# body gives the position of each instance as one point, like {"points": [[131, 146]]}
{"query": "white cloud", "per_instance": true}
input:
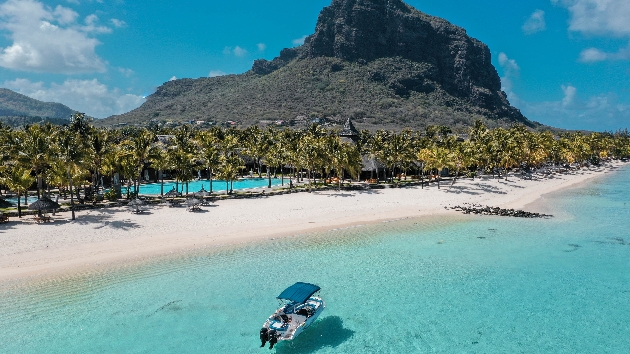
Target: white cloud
{"points": [[601, 112], [173, 78], [507, 63], [299, 41], [592, 55], [237, 51], [535, 23], [215, 73], [599, 16], [91, 25], [89, 96], [126, 72], [569, 95], [510, 71], [118, 23], [47, 40], [261, 47], [65, 15]]}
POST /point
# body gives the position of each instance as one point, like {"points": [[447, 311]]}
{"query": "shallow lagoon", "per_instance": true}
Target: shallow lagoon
{"points": [[432, 285]]}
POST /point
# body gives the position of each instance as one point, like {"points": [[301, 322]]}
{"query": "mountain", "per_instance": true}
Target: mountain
{"points": [[381, 62], [17, 109]]}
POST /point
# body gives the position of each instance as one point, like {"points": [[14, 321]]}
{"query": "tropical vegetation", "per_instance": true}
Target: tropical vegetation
{"points": [[82, 161]]}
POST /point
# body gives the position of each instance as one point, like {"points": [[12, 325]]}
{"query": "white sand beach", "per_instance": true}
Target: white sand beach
{"points": [[111, 236]]}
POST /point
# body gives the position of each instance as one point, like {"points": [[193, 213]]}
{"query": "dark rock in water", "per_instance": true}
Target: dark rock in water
{"points": [[486, 210]]}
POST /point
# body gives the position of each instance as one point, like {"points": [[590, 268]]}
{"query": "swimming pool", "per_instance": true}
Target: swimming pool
{"points": [[30, 199], [217, 185]]}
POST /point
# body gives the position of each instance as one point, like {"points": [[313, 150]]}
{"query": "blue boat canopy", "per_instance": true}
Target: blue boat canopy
{"points": [[299, 292]]}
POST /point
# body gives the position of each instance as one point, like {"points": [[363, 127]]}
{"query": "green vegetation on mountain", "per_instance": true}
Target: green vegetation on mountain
{"points": [[384, 64], [18, 110]]}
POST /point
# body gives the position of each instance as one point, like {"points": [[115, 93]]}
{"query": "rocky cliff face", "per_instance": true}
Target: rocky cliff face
{"points": [[367, 58], [369, 29], [365, 30]]}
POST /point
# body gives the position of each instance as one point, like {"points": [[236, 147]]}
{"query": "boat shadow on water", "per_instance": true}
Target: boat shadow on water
{"points": [[327, 332]]}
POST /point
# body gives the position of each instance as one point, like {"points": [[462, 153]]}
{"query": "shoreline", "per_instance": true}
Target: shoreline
{"points": [[114, 237]]}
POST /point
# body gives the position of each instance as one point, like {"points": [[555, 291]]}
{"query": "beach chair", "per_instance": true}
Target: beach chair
{"points": [[42, 219]]}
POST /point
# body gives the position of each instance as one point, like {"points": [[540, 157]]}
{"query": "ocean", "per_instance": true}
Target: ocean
{"points": [[459, 284]]}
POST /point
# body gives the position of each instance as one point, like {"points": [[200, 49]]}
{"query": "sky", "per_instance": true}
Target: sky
{"points": [[564, 63]]}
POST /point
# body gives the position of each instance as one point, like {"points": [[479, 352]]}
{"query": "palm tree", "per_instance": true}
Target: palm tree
{"points": [[34, 147], [381, 146], [436, 158], [98, 149], [142, 148], [463, 156], [310, 150], [70, 154], [290, 140], [161, 162], [209, 151], [228, 170], [344, 157], [183, 162], [19, 180], [256, 144]]}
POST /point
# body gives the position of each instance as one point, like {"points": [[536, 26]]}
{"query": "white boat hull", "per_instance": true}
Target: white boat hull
{"points": [[291, 320]]}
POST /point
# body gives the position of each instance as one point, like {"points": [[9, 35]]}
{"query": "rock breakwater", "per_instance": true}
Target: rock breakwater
{"points": [[488, 210]]}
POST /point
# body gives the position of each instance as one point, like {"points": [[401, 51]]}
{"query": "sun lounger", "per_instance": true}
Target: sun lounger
{"points": [[42, 219]]}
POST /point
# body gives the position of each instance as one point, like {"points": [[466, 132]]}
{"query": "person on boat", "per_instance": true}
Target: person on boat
{"points": [[273, 338], [263, 336]]}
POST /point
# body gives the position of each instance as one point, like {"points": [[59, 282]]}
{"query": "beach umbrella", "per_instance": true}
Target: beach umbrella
{"points": [[44, 203], [137, 203], [193, 202], [172, 193], [202, 193]]}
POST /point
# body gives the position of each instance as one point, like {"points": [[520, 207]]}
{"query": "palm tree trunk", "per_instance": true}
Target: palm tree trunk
{"points": [[210, 174], [269, 176], [162, 184], [39, 186], [72, 196], [19, 207], [227, 187], [259, 168]]}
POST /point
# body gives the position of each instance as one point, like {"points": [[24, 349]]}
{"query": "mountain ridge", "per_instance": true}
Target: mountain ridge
{"points": [[17, 109], [381, 62]]}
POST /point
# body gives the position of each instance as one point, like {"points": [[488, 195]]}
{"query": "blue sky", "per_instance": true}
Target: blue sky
{"points": [[564, 63]]}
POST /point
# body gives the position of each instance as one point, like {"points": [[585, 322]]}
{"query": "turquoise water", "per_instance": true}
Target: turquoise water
{"points": [[30, 199], [432, 285], [217, 185], [193, 186]]}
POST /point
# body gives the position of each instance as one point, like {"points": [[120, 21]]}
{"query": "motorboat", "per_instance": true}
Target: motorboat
{"points": [[299, 308]]}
